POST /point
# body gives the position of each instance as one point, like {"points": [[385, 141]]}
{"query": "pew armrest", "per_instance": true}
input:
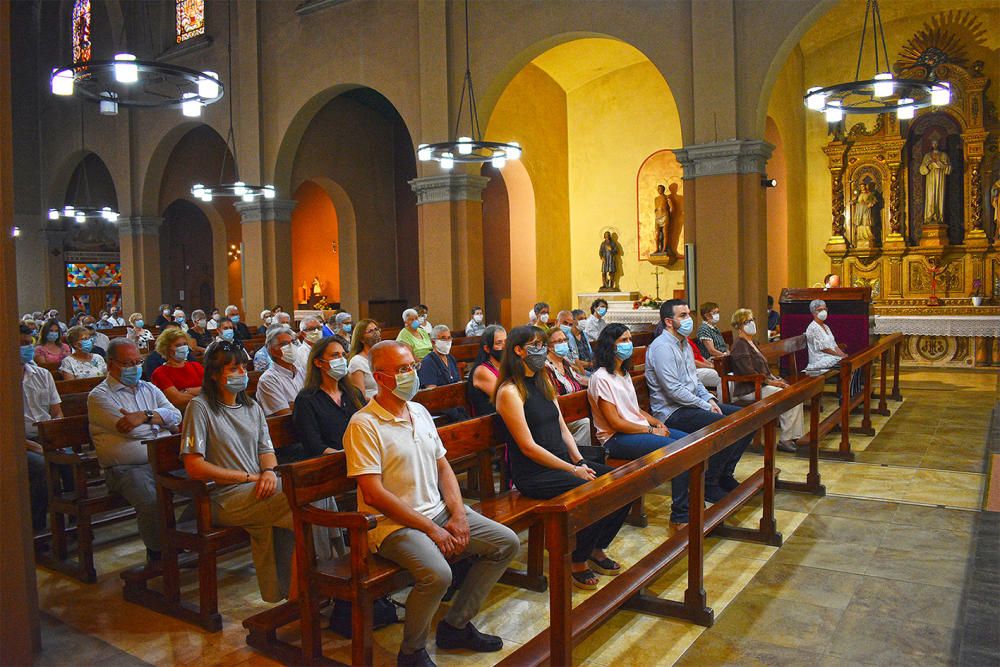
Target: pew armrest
{"points": [[69, 458], [328, 519], [185, 485]]}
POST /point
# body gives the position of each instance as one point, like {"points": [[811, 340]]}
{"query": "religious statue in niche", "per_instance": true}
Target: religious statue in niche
{"points": [[934, 167], [995, 203], [661, 213], [609, 253], [866, 212], [668, 211], [317, 290]]}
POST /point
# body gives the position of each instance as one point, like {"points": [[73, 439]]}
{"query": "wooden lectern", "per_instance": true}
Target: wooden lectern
{"points": [[849, 315]]}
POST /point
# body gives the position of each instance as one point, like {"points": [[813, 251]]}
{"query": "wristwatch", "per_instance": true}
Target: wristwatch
{"points": [[149, 416]]}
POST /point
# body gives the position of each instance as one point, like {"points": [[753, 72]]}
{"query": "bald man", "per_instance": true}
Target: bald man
{"points": [[394, 452]]}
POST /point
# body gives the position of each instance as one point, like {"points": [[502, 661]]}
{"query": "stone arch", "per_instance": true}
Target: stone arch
{"points": [[187, 263], [149, 198]]}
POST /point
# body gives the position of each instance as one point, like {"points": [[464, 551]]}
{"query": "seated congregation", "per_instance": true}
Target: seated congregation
{"points": [[268, 431]]}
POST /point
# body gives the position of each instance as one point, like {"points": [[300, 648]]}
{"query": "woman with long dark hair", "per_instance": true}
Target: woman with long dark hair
{"points": [[545, 461], [482, 382], [626, 430], [225, 440], [327, 401]]}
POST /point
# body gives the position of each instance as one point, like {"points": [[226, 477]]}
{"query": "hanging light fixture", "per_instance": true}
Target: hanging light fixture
{"points": [[82, 208], [128, 81], [469, 149], [238, 189], [880, 94]]}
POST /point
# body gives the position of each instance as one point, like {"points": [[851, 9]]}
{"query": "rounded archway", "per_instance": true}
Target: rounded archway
{"points": [[186, 260], [588, 112], [351, 170]]}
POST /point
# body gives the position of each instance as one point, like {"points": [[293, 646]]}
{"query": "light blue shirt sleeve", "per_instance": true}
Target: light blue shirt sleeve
{"points": [[669, 368], [170, 415]]}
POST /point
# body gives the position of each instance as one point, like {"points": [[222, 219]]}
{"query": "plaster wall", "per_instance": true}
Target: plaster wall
{"points": [[314, 242]]}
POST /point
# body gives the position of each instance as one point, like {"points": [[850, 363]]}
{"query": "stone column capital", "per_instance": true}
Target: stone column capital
{"points": [[736, 156], [270, 210], [449, 187], [140, 225]]}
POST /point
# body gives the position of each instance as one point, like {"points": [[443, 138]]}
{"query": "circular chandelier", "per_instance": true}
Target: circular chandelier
{"points": [[146, 84], [880, 94], [83, 213], [469, 150], [237, 189]]}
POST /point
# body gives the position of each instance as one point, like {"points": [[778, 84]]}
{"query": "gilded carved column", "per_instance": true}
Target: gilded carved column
{"points": [[836, 247]]}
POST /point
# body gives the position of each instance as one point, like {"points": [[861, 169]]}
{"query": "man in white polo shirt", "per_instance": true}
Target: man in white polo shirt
{"points": [[394, 452], [282, 381]]}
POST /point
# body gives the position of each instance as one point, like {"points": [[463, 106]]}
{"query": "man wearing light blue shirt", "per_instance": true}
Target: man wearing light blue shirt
{"points": [[680, 401], [123, 411]]}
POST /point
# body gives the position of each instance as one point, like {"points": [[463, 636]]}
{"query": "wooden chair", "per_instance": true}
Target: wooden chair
{"points": [[67, 442]]}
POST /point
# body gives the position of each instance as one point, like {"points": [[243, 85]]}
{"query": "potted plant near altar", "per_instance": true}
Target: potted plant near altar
{"points": [[646, 302], [977, 292]]}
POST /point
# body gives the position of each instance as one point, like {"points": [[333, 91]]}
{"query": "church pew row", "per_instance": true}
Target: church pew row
{"points": [[564, 515], [367, 576]]}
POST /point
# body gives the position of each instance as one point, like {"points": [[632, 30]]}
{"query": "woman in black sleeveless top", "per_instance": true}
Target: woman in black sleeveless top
{"points": [[544, 460], [482, 382]]}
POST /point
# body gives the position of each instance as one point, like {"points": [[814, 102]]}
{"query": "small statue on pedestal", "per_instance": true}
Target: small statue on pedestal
{"points": [[934, 270], [609, 252]]}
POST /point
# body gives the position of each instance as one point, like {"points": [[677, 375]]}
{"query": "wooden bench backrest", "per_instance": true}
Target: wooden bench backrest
{"points": [[784, 352], [51, 368], [72, 432], [439, 399], [253, 377], [80, 385], [640, 338], [639, 356], [307, 481], [464, 353], [74, 405], [465, 340]]}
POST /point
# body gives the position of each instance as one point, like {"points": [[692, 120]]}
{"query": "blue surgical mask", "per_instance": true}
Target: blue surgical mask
{"points": [[415, 324], [87, 345], [602, 311], [346, 327], [566, 329], [227, 334], [624, 350], [407, 385], [338, 368], [237, 382], [179, 319], [27, 353], [561, 349], [181, 352], [687, 326], [131, 375], [139, 324], [52, 336], [235, 319]]}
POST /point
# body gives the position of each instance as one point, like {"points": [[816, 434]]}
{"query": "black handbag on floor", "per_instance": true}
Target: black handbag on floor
{"points": [[384, 612]]}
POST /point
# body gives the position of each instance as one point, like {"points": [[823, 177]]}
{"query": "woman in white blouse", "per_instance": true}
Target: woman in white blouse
{"points": [[824, 352], [82, 363], [366, 335], [137, 333]]}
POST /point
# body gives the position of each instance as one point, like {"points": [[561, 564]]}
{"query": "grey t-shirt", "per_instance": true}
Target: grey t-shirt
{"points": [[231, 437]]}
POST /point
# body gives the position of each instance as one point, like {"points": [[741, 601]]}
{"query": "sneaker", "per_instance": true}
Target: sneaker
{"points": [[417, 659], [727, 483], [787, 446], [468, 637]]}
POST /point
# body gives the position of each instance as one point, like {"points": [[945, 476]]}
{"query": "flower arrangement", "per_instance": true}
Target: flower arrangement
{"points": [[646, 302], [977, 287]]}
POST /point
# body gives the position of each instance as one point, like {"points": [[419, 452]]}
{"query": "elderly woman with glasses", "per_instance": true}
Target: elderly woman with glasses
{"points": [[824, 352], [82, 363], [179, 379], [746, 359]]}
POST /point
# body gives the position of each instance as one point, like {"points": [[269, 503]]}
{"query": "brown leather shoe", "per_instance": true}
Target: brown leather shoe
{"points": [[676, 528]]}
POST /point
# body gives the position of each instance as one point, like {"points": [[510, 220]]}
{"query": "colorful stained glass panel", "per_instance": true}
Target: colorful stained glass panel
{"points": [[81, 30], [190, 19], [94, 275]]}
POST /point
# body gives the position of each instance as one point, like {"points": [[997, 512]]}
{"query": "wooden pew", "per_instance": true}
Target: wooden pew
{"points": [[51, 368], [363, 576], [81, 385], [437, 400], [566, 514], [465, 340], [89, 499]]}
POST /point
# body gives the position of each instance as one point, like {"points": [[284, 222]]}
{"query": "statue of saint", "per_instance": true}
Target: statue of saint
{"points": [[995, 201], [305, 292], [863, 206], [609, 251], [316, 289], [934, 167], [675, 226], [661, 213]]}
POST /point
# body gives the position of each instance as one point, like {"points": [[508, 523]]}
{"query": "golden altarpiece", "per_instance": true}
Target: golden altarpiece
{"points": [[925, 253]]}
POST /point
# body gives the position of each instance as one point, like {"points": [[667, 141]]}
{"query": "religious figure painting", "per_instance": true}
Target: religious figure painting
{"points": [[660, 206]]}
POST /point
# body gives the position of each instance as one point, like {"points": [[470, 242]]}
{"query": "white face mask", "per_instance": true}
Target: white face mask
{"points": [[442, 346], [821, 315], [715, 318], [314, 335], [200, 323], [478, 318], [750, 328], [267, 321], [543, 318], [288, 353]]}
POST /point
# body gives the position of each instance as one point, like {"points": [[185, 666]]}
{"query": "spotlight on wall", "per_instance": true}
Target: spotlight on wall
{"points": [[768, 182], [15, 232]]}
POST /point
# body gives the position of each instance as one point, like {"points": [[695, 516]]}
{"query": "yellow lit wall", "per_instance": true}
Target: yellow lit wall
{"points": [[532, 110], [314, 236], [615, 122]]}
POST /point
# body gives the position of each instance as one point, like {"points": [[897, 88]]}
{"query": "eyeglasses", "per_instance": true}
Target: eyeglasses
{"points": [[415, 366], [225, 346], [128, 364]]}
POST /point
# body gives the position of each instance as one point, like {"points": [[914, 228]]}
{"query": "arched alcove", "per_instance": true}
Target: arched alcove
{"points": [[588, 112], [186, 260], [358, 150], [91, 185], [315, 242]]}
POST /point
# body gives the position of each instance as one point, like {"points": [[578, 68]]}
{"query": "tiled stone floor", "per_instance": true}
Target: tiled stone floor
{"points": [[871, 574]]}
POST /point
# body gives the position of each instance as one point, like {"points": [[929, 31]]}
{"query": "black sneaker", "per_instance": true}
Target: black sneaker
{"points": [[727, 483], [468, 637], [417, 659]]}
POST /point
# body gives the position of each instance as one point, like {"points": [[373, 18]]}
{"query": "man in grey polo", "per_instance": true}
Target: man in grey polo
{"points": [[123, 412], [394, 452]]}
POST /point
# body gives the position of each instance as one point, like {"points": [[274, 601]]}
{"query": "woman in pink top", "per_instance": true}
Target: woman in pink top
{"points": [[51, 349], [625, 429]]}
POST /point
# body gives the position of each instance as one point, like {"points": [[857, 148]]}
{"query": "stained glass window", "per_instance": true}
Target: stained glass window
{"points": [[190, 19], [94, 275], [81, 30]]}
